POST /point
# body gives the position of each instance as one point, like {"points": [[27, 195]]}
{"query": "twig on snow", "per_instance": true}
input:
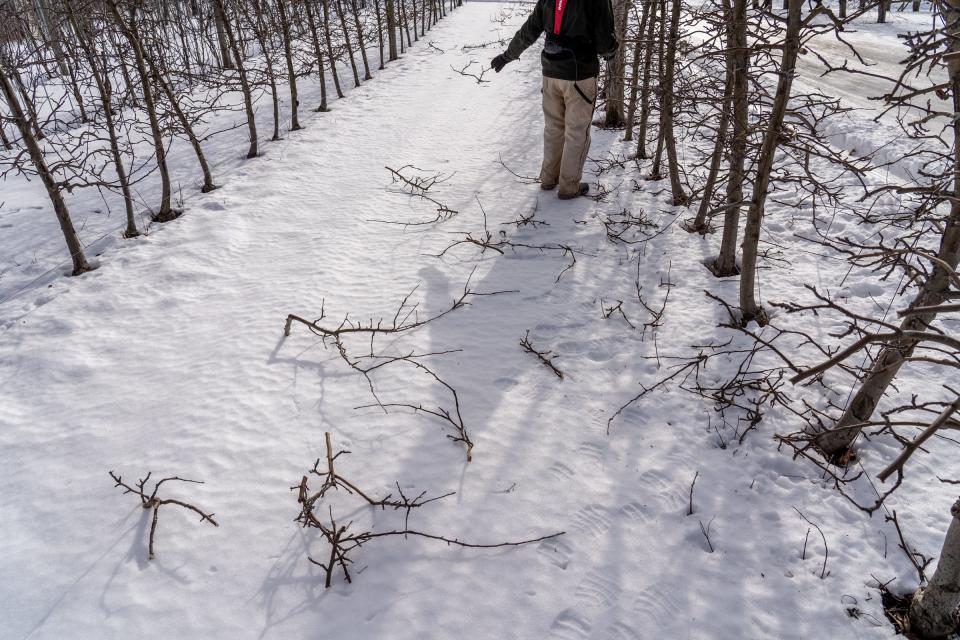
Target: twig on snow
{"points": [[826, 550], [543, 356], [692, 484], [706, 533], [153, 501]]}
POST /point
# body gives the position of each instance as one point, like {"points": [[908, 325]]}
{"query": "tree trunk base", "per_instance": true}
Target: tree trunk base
{"points": [[170, 216], [759, 316], [841, 458], [897, 610], [722, 271], [690, 226], [931, 625], [81, 269]]}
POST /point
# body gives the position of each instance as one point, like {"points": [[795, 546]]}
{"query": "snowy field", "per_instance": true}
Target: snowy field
{"points": [[171, 358]]}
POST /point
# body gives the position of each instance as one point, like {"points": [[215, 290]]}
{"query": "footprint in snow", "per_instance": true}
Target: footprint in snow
{"points": [[658, 605], [653, 485], [596, 590], [592, 520], [621, 631], [591, 451], [636, 512], [569, 626], [560, 471]]}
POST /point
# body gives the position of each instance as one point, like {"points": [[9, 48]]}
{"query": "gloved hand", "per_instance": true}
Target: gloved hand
{"points": [[499, 62]]}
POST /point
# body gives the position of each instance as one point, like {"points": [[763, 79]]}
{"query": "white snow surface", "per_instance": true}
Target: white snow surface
{"points": [[170, 358]]}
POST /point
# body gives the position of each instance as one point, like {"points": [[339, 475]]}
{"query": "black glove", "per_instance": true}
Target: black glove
{"points": [[499, 62]]}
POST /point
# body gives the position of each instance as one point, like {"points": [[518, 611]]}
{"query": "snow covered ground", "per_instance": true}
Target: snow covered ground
{"points": [[170, 358]]}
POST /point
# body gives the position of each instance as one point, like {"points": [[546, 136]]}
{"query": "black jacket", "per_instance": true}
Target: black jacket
{"points": [[586, 31]]}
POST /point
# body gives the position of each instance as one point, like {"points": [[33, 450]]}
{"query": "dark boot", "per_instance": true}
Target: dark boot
{"points": [[584, 190]]}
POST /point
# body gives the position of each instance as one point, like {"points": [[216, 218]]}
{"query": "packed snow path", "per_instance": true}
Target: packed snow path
{"points": [[170, 358]]}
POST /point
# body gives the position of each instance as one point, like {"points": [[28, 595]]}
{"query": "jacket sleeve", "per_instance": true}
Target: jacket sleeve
{"points": [[604, 36], [527, 34]]}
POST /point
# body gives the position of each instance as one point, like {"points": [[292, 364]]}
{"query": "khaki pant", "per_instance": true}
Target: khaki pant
{"points": [[566, 132]]}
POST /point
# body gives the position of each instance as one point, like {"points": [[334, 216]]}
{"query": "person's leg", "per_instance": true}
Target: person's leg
{"points": [[553, 132], [578, 117]]}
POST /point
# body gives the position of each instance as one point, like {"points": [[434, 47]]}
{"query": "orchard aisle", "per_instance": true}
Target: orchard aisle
{"points": [[170, 358]]}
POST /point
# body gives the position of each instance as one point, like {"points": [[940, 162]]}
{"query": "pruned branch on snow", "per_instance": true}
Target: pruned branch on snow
{"points": [[343, 541], [153, 501]]}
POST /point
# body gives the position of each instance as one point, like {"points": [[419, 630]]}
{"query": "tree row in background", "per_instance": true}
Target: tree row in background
{"points": [[708, 94], [87, 84]]}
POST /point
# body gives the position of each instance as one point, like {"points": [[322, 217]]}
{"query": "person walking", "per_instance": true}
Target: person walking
{"points": [[577, 32]]}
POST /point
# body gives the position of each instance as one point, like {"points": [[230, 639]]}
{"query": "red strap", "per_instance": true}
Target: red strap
{"points": [[558, 15]]}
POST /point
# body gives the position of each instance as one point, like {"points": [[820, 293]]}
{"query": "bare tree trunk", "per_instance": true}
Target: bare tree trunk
{"points": [[101, 78], [338, 6], [391, 28], [635, 70], [406, 25], [74, 85], [258, 24], [31, 109], [700, 222], [616, 69], [666, 113], [379, 11], [656, 172], [416, 34], [645, 88], [253, 150], [80, 264], [219, 20], [360, 43], [726, 264], [160, 72], [131, 33], [933, 611], [51, 37], [318, 52], [291, 71], [895, 353], [7, 145], [333, 59], [768, 151]]}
